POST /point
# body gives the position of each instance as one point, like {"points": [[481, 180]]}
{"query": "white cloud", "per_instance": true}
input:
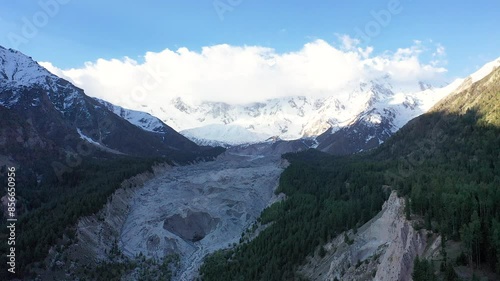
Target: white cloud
{"points": [[366, 52], [348, 43], [243, 74], [439, 56], [440, 50]]}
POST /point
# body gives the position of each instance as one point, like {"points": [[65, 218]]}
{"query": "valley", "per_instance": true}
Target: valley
{"points": [[197, 209], [372, 182], [183, 212]]}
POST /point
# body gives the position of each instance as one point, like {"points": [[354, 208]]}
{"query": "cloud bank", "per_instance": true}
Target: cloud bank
{"points": [[238, 75]]}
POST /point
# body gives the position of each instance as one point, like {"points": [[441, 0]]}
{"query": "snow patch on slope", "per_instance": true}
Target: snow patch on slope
{"points": [[90, 140], [9, 101], [99, 145], [140, 119]]}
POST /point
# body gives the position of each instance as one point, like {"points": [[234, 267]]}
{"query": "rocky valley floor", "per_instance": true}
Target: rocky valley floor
{"points": [[197, 209]]}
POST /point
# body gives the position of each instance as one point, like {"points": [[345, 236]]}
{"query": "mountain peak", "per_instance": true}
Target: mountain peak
{"points": [[485, 70], [17, 69]]}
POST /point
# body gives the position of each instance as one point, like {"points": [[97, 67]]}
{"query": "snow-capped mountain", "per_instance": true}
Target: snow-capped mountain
{"points": [[380, 105], [287, 118], [46, 116], [292, 117], [388, 112], [376, 103], [19, 73]]}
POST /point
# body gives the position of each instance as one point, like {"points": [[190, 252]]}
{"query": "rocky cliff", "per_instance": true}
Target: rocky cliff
{"points": [[97, 235], [382, 249]]}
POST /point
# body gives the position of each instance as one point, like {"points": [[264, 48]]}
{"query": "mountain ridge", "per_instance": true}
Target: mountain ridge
{"points": [[362, 135], [53, 117]]}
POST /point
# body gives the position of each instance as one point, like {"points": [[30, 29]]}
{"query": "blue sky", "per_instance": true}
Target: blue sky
{"points": [[77, 31]]}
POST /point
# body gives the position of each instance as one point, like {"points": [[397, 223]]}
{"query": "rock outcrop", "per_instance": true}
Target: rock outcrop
{"points": [[383, 249], [98, 234]]}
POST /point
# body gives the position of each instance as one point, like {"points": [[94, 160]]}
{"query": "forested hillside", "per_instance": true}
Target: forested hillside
{"points": [[449, 168], [446, 163], [49, 209]]}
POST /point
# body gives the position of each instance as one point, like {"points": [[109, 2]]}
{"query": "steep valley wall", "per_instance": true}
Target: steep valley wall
{"points": [[383, 249]]}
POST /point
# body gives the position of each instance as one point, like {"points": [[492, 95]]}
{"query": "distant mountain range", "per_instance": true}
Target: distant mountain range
{"points": [[358, 118]]}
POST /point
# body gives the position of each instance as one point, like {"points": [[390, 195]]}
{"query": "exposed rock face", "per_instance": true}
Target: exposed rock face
{"points": [[96, 234], [383, 249], [406, 244]]}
